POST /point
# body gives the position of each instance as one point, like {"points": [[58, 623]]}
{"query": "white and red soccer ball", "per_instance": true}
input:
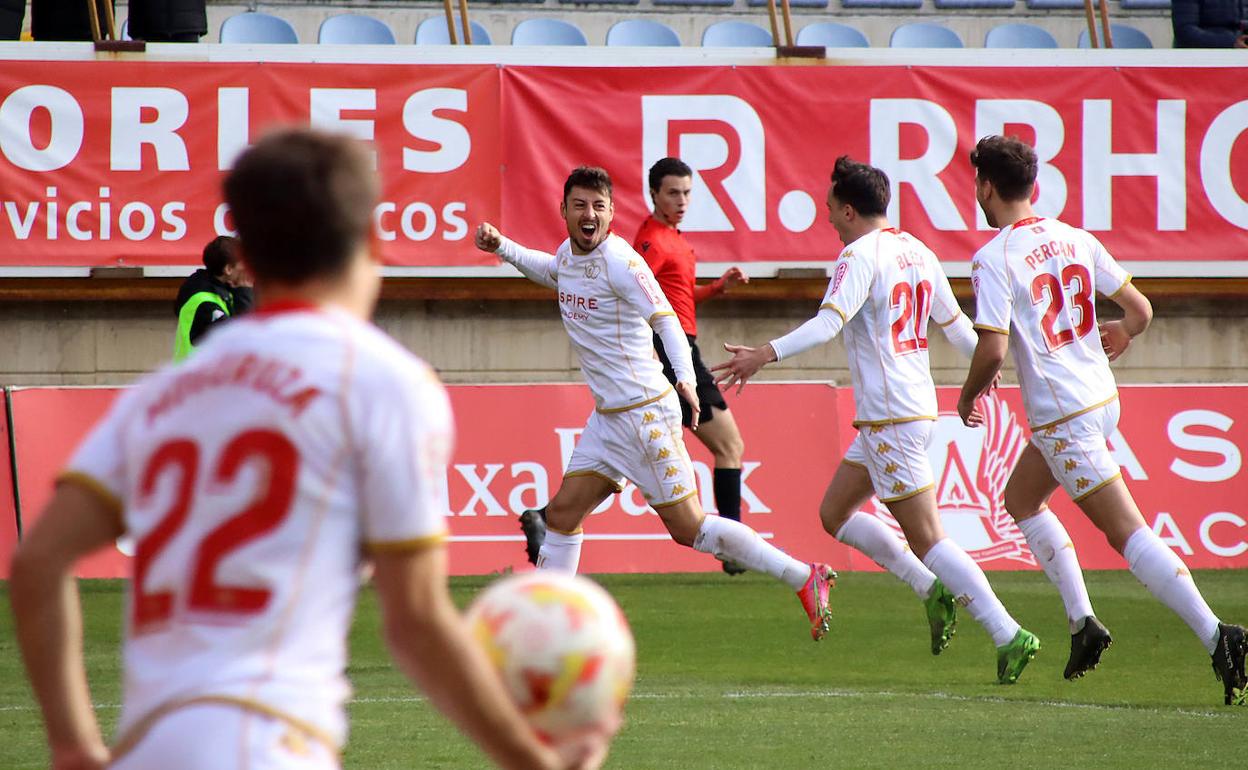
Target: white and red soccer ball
{"points": [[563, 649]]}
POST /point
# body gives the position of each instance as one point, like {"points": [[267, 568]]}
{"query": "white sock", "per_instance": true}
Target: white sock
{"points": [[961, 575], [729, 540], [1163, 574], [1053, 548], [560, 552], [869, 535]]}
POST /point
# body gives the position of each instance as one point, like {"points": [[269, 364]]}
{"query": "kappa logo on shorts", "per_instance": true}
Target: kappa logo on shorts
{"points": [[663, 454], [648, 418], [1070, 464], [970, 467], [655, 434], [899, 487], [672, 470], [883, 448], [1059, 446], [877, 429], [891, 468], [679, 489], [1081, 483]]}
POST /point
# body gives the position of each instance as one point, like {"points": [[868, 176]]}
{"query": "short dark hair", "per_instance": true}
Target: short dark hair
{"points": [[302, 202], [668, 167], [589, 177], [861, 186], [1009, 163], [220, 253]]}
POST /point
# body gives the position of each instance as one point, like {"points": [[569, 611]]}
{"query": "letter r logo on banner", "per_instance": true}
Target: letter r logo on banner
{"points": [[721, 138]]}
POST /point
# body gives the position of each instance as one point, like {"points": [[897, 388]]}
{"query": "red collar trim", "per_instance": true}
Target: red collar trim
{"points": [[893, 230], [1027, 221], [282, 306]]}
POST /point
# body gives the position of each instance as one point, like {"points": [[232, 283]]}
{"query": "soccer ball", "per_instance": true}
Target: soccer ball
{"points": [[563, 649]]}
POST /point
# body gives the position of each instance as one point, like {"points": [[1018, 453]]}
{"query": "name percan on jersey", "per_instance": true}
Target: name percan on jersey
{"points": [[251, 478], [1037, 280], [886, 286]]}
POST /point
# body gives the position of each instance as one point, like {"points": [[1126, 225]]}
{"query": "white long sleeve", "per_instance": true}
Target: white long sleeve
{"points": [[826, 324], [676, 345], [537, 266], [961, 334]]}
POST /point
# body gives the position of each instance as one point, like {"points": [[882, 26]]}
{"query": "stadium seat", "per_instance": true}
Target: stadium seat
{"points": [[694, 2], [1019, 36], [924, 35], [254, 27], [1137, 4], [354, 29], [881, 3], [1124, 37], [942, 4], [830, 34], [547, 32], [794, 3], [432, 31], [642, 32], [1042, 5], [726, 34], [599, 2]]}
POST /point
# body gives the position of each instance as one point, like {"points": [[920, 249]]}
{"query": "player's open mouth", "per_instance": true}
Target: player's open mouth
{"points": [[588, 230]]}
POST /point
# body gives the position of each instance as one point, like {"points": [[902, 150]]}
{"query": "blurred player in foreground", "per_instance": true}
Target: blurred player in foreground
{"points": [[329, 440], [885, 287], [671, 258], [611, 309], [1041, 277]]}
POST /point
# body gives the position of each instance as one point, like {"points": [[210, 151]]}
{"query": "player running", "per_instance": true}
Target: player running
{"points": [[1040, 278], [885, 287], [611, 307], [327, 440]]}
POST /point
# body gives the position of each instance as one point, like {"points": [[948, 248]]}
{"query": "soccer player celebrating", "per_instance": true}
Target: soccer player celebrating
{"points": [[885, 287], [671, 258], [611, 307], [1041, 277], [328, 440]]}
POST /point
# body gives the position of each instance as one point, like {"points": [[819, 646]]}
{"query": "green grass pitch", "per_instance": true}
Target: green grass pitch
{"points": [[728, 678]]}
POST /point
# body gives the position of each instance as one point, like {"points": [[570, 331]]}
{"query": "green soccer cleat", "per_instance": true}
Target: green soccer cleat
{"points": [[1014, 657], [942, 616]]}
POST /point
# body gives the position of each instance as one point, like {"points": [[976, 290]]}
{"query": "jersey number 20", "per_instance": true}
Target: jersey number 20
{"points": [[280, 461]]}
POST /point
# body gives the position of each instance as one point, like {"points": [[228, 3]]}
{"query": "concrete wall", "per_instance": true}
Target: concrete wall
{"points": [[86, 343], [499, 18]]}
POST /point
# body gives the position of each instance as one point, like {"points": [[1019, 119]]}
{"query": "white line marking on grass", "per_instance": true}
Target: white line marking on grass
{"points": [[766, 694]]}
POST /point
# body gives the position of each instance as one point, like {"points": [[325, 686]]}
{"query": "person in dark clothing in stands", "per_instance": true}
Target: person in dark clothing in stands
{"points": [[1210, 23], [218, 291], [167, 21]]}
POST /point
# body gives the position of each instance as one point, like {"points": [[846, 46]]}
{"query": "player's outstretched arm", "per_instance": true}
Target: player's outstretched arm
{"points": [[49, 620], [1116, 336], [430, 642], [985, 364], [537, 266]]}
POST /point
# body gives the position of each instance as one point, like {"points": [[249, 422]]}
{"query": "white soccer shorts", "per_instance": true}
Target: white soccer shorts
{"points": [[214, 736], [895, 456], [1077, 453], [644, 445]]}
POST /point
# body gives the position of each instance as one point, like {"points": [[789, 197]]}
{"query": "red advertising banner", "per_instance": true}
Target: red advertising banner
{"points": [[8, 508], [1181, 449], [120, 163], [1153, 160]]}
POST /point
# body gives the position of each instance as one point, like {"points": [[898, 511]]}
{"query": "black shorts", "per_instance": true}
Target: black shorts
{"points": [[708, 392]]}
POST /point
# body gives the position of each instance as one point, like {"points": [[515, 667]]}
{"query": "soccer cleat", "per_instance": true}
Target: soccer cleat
{"points": [[733, 568], [1086, 647], [1228, 663], [942, 616], [1014, 657], [814, 597], [533, 525]]}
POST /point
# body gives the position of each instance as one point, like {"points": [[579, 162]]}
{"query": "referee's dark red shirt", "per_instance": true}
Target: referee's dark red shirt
{"points": [[673, 263]]}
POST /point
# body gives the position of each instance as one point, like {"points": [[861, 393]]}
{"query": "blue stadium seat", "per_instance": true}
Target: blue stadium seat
{"points": [[254, 27], [1019, 36], [432, 31], [728, 34], [974, 3], [830, 34], [354, 29], [1047, 4], [1136, 4], [1124, 37], [924, 35], [600, 2], [547, 32], [642, 32], [694, 2], [881, 3], [794, 3]]}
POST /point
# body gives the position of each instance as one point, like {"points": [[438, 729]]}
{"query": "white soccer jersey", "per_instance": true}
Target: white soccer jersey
{"points": [[1039, 278], [609, 300], [252, 478], [885, 286]]}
